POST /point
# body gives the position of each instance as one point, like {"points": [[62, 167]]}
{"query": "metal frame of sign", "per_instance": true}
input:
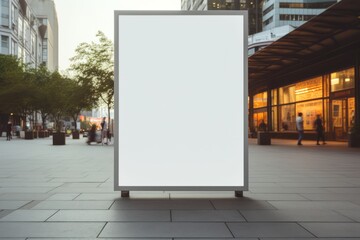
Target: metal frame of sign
{"points": [[237, 189]]}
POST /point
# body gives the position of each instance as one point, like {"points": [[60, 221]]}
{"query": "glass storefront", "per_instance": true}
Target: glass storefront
{"points": [[331, 96], [260, 110]]}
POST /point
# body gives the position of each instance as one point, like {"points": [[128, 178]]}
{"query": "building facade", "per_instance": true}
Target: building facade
{"points": [[315, 70], [276, 13], [47, 16], [254, 8], [23, 34]]}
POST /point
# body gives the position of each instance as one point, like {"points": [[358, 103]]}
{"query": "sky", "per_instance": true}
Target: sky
{"points": [[80, 20]]}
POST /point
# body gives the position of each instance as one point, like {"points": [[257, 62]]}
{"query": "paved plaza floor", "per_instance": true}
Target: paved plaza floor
{"points": [[66, 192]]}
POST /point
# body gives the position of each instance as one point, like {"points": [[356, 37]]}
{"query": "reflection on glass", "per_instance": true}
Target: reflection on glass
{"points": [[288, 122], [260, 100], [342, 80], [310, 110]]}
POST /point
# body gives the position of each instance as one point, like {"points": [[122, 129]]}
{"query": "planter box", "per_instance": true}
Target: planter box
{"points": [[353, 140], [29, 135], [42, 134], [59, 138], [263, 138], [36, 134], [75, 135]]}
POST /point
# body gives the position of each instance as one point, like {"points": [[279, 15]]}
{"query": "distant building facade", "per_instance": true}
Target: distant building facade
{"points": [[276, 13], [24, 35], [49, 31], [254, 8]]}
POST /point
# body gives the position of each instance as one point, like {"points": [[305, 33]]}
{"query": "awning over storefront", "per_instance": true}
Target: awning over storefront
{"points": [[332, 33]]}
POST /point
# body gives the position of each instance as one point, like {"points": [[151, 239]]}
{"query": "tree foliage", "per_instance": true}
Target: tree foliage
{"points": [[93, 66], [24, 91]]}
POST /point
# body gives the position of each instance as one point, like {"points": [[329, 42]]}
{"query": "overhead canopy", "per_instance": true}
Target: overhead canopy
{"points": [[335, 28]]}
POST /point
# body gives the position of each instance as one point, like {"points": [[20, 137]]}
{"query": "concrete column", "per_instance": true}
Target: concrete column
{"points": [[269, 112], [357, 87]]}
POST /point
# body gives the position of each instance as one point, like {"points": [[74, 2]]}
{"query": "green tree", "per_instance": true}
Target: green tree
{"points": [[58, 89], [43, 98], [11, 73], [78, 99], [93, 65]]}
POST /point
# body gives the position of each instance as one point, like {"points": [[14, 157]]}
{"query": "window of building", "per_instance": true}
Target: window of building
{"points": [[4, 44], [274, 117], [260, 100], [309, 89], [259, 116], [13, 47], [295, 17], [287, 118], [310, 110], [20, 30], [269, 9], [314, 5], [5, 13], [342, 80], [287, 94], [268, 21], [274, 97]]}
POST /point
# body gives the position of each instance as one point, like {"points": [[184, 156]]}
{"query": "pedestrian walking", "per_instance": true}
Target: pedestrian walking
{"points": [[300, 127], [319, 130], [8, 131], [104, 130]]}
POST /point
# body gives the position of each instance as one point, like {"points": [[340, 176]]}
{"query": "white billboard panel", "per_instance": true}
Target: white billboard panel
{"points": [[181, 100]]}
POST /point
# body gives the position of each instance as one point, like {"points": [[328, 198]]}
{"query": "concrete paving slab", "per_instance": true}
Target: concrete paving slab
{"points": [[338, 205], [44, 230], [91, 205], [12, 204], [333, 229], [278, 230], [161, 204], [302, 215], [98, 196], [25, 196], [28, 216], [62, 196], [111, 216], [206, 216], [352, 214], [160, 230], [226, 204], [273, 196], [332, 196]]}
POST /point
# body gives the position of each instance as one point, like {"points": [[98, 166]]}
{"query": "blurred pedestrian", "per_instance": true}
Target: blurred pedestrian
{"points": [[109, 135], [104, 130], [262, 126], [300, 127], [319, 130], [8, 131]]}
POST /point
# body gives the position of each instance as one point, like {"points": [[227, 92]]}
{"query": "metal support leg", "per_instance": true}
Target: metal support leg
{"points": [[125, 194], [239, 194]]}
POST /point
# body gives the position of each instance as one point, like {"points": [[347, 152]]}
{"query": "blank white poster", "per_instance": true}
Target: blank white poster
{"points": [[180, 101]]}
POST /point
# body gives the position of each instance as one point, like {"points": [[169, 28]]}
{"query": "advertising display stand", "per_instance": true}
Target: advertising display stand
{"points": [[181, 101]]}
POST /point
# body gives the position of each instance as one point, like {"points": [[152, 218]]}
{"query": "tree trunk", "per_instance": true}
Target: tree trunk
{"points": [[43, 119]]}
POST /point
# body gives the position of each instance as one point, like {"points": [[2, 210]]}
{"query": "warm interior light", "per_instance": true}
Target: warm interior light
{"points": [[347, 79], [334, 81]]}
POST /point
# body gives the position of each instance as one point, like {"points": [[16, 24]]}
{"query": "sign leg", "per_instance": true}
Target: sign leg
{"points": [[239, 194], [125, 194]]}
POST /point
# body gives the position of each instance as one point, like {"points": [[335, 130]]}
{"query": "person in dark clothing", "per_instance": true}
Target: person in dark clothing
{"points": [[8, 131], [262, 126], [319, 130]]}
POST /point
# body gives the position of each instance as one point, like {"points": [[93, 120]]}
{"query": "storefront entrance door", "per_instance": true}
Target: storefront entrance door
{"points": [[342, 115]]}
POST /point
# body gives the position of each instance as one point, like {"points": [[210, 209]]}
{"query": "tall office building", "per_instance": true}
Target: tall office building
{"points": [[25, 34], [278, 13], [47, 16], [254, 8]]}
